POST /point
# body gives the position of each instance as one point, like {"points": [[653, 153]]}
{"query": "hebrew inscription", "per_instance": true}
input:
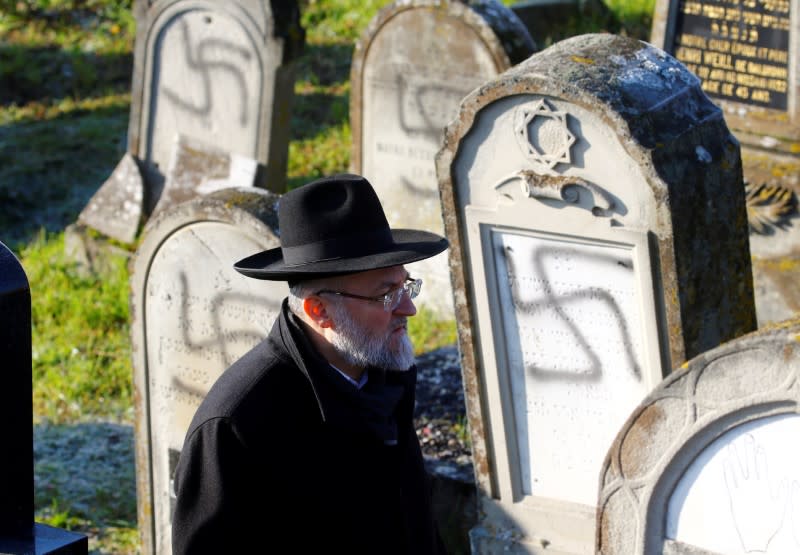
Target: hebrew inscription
{"points": [[574, 346], [742, 493], [738, 48]]}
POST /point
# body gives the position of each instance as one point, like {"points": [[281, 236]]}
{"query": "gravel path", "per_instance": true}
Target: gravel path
{"points": [[440, 416]]}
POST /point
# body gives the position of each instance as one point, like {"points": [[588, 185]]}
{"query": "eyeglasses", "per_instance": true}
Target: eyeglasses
{"points": [[390, 300]]}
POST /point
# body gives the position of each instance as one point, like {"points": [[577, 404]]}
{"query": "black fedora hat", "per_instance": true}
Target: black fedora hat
{"points": [[333, 226]]}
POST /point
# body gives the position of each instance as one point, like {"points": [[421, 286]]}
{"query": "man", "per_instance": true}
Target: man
{"points": [[306, 444]]}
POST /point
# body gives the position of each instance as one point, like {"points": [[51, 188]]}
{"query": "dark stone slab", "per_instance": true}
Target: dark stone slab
{"points": [[16, 461], [739, 50], [46, 540], [18, 533]]}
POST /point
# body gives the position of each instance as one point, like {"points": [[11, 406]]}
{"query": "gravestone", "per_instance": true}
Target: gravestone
{"points": [[745, 54], [115, 210], [19, 534], [412, 66], [220, 72], [593, 202], [192, 316], [709, 462]]}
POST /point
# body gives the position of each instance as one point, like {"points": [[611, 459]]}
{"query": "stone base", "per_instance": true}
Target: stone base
{"points": [[46, 541], [483, 541]]}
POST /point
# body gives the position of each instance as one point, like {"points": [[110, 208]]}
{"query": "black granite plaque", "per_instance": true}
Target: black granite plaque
{"points": [[738, 48]]}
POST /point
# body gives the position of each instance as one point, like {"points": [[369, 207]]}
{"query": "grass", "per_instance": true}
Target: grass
{"points": [[65, 69], [81, 352]]}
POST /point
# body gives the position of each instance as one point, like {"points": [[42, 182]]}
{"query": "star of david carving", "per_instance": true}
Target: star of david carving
{"points": [[542, 133]]}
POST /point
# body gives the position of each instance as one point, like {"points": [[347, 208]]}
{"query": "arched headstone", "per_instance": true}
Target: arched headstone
{"points": [[592, 198], [192, 316], [218, 72], [709, 462]]}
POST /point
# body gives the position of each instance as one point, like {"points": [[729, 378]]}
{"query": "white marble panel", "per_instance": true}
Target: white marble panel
{"points": [[741, 495], [574, 342]]}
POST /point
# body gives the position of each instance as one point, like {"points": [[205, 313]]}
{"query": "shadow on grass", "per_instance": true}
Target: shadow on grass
{"points": [[39, 73], [50, 168], [322, 76]]}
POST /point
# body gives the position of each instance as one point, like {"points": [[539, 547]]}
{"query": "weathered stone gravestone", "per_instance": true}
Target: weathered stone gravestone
{"points": [[414, 63], [214, 71], [709, 462], [115, 210], [593, 202], [744, 52], [217, 72], [19, 534], [192, 316]]}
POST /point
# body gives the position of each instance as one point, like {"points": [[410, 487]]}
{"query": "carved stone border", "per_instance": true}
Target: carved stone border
{"points": [[749, 378]]}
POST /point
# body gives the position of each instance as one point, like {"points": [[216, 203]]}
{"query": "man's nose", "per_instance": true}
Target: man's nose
{"points": [[406, 307]]}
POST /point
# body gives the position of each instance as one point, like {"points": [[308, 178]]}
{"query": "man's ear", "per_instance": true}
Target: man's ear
{"points": [[315, 309]]}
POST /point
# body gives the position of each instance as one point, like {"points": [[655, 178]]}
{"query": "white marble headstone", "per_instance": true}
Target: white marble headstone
{"points": [[575, 342], [194, 315]]}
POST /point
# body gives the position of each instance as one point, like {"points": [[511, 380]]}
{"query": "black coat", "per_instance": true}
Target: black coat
{"points": [[285, 456]]}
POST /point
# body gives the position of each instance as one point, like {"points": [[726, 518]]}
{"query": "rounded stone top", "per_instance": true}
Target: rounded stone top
{"points": [[12, 276], [652, 92]]}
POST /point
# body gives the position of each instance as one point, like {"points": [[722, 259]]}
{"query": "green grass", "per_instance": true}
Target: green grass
{"points": [[65, 69], [81, 351]]}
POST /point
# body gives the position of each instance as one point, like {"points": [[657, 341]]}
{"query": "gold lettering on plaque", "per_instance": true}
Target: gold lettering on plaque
{"points": [[738, 48]]}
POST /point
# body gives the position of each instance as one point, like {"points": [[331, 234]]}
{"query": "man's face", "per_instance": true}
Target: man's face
{"points": [[363, 332]]}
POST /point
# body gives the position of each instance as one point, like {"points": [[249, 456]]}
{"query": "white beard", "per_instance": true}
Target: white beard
{"points": [[361, 347]]}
